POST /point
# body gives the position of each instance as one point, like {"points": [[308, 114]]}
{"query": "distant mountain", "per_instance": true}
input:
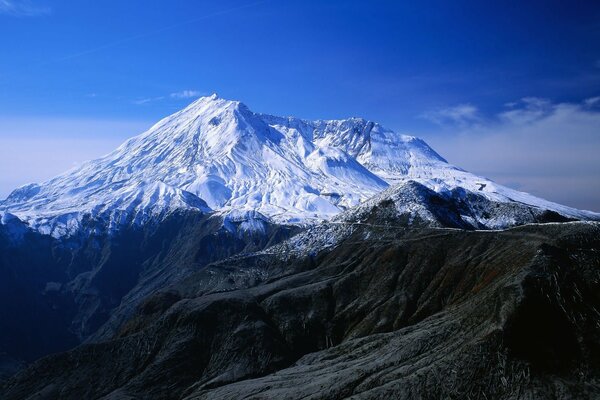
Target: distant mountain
{"points": [[217, 155]]}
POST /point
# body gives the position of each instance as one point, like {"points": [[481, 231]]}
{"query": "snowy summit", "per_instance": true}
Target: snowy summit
{"points": [[218, 155]]}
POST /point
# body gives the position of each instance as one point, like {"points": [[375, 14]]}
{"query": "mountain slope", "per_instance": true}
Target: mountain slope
{"points": [[387, 313], [217, 155]]}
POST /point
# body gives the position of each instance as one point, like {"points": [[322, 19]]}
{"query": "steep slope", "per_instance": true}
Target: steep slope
{"points": [[217, 155]]}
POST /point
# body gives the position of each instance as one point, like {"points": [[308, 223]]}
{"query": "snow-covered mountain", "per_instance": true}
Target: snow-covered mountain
{"points": [[217, 155]]}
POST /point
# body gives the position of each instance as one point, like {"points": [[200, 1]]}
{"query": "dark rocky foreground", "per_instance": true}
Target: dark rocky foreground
{"points": [[54, 293], [386, 313]]}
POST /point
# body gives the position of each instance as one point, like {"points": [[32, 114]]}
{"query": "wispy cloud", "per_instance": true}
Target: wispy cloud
{"points": [[592, 101], [527, 110], [461, 114], [186, 94], [22, 8], [546, 148], [147, 100]]}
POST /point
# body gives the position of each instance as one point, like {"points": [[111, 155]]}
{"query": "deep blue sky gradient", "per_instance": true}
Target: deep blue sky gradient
{"points": [[396, 62], [386, 60]]}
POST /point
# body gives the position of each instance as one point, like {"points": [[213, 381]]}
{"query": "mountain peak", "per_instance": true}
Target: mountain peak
{"points": [[211, 100], [216, 154], [205, 98]]}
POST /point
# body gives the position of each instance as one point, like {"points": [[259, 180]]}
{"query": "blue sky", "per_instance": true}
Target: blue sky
{"points": [[507, 90]]}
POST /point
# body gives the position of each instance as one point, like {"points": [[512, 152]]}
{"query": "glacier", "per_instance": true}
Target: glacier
{"points": [[216, 155]]}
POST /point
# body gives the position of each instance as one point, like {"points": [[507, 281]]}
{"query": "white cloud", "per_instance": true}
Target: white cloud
{"points": [[461, 114], [22, 8], [186, 94], [545, 148]]}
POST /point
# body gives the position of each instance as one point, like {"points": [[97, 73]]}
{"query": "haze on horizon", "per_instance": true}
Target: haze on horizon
{"points": [[510, 91]]}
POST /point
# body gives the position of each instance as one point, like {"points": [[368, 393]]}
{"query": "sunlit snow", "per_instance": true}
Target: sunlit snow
{"points": [[217, 155]]}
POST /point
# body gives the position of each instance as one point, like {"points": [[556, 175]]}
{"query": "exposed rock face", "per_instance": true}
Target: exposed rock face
{"points": [[413, 204], [386, 313]]}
